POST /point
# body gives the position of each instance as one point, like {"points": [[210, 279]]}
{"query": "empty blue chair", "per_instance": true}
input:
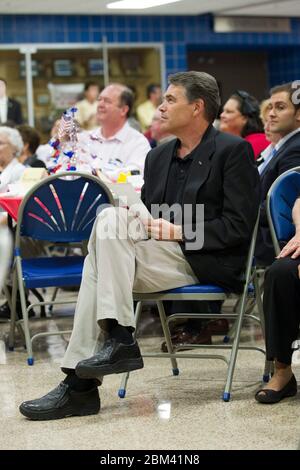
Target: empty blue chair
{"points": [[60, 209], [280, 200]]}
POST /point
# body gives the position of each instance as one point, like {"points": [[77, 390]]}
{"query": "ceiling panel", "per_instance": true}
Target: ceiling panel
{"points": [[183, 7]]}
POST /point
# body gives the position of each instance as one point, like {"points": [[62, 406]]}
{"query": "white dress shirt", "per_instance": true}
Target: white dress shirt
{"points": [[44, 152], [3, 109], [125, 151], [266, 155], [11, 174]]}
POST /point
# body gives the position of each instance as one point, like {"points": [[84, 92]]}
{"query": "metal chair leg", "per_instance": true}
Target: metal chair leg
{"points": [[53, 298], [268, 364]]}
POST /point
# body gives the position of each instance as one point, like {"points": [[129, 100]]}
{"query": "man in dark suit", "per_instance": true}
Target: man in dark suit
{"points": [[10, 110], [283, 119], [201, 167]]}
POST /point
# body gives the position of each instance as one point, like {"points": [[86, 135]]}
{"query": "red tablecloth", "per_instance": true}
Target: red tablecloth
{"points": [[11, 205]]}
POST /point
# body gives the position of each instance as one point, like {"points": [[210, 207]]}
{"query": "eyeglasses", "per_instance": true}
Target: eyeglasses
{"points": [[248, 108]]}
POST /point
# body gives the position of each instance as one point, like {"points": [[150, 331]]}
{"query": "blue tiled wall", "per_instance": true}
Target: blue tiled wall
{"points": [[177, 33]]}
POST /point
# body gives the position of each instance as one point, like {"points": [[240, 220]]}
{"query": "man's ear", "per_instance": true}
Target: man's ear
{"points": [[199, 107], [125, 109], [244, 119]]}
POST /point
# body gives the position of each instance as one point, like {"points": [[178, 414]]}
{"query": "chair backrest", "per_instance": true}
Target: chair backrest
{"points": [[280, 201], [5, 253], [62, 208]]}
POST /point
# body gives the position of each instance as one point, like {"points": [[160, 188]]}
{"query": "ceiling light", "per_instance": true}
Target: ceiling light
{"points": [[138, 5]]}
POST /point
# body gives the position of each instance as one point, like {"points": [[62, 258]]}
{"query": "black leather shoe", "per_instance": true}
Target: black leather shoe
{"points": [[269, 396], [113, 358], [5, 312], [61, 403]]}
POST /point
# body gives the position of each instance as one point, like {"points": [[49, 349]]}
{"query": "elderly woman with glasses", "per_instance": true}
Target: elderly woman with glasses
{"points": [[241, 116], [11, 146]]}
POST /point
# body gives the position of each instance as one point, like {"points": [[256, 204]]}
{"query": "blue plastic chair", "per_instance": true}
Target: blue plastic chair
{"points": [[205, 292], [280, 201], [5, 259], [59, 209]]}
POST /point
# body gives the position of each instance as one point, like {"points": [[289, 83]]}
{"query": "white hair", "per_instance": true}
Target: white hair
{"points": [[14, 138]]}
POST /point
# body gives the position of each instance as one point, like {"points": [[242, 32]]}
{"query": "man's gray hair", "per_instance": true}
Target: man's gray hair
{"points": [[199, 85], [14, 138]]}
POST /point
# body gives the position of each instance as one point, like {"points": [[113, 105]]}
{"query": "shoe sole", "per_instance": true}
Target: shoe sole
{"points": [[58, 413], [183, 347], [128, 365]]}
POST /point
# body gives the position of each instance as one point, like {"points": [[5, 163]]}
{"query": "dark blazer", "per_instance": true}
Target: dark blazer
{"points": [[14, 111], [224, 178], [34, 162], [287, 157]]}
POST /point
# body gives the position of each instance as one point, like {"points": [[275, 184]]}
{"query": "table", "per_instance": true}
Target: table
{"points": [[11, 205]]}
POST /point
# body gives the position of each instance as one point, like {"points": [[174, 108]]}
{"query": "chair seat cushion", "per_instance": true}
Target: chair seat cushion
{"points": [[55, 271], [202, 289]]}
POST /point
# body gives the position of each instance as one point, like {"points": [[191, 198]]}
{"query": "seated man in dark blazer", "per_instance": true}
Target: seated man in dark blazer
{"points": [[201, 167], [10, 109], [282, 317], [284, 119]]}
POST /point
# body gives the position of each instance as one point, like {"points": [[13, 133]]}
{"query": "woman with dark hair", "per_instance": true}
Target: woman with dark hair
{"points": [[241, 116]]}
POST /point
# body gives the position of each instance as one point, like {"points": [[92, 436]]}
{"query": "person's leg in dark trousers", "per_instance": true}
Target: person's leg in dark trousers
{"points": [[194, 331], [282, 317]]}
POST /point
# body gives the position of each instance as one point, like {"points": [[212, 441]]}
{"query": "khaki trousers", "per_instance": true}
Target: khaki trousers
{"points": [[121, 260]]}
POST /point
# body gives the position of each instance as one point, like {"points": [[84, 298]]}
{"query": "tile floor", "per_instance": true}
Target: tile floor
{"points": [[159, 412]]}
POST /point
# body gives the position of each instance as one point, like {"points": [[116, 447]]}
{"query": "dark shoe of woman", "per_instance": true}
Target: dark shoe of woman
{"points": [[62, 402], [218, 326], [268, 396]]}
